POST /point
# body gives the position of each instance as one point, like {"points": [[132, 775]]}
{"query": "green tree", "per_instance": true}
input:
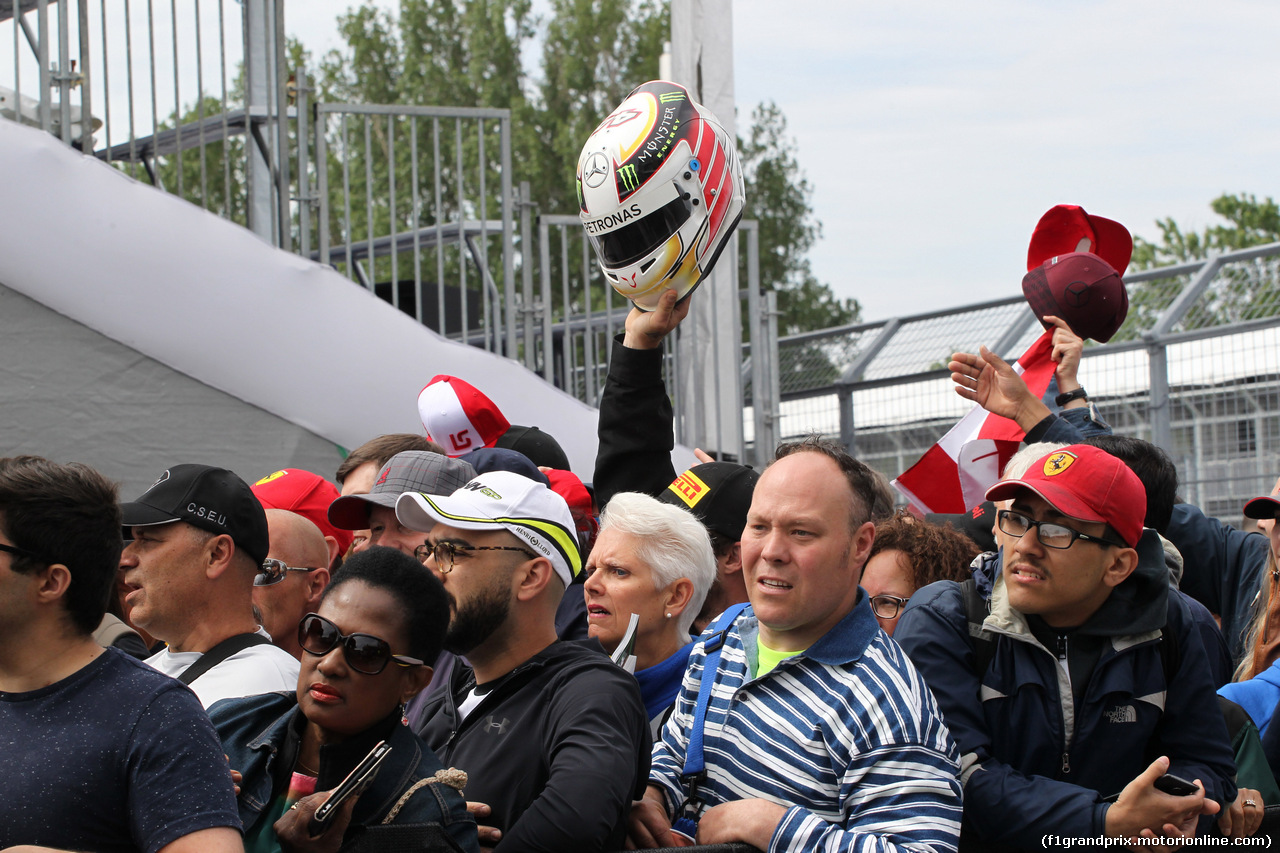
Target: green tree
{"points": [[1249, 223], [1242, 291], [779, 198]]}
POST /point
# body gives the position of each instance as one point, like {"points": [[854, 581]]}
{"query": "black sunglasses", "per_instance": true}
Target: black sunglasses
{"points": [[363, 652], [23, 552], [273, 571]]}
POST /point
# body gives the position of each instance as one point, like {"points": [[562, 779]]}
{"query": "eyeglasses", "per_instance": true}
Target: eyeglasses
{"points": [[21, 552], [273, 571], [887, 606], [363, 652], [1050, 535], [446, 552]]}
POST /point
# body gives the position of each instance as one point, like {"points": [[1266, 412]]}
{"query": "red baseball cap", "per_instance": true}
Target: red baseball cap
{"points": [[1067, 228], [458, 417], [305, 493], [581, 505], [1084, 483], [1082, 289]]}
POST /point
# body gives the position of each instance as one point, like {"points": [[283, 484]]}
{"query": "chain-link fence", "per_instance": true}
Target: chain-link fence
{"points": [[1195, 369]]}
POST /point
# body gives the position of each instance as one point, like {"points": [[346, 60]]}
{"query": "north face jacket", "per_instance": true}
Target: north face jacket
{"points": [[1035, 759]]}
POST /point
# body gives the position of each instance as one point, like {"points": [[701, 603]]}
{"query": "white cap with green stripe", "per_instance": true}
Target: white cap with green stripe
{"points": [[501, 500]]}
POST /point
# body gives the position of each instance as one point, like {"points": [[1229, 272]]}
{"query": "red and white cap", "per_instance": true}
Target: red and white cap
{"points": [[458, 417], [1085, 483]]}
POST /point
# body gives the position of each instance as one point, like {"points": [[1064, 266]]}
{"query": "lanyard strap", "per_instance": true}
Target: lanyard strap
{"points": [[694, 761]]}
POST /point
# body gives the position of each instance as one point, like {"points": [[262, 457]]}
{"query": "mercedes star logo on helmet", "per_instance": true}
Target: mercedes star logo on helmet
{"points": [[597, 170]]}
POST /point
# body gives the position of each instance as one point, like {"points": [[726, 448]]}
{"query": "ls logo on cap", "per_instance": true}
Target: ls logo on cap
{"points": [[1058, 462]]}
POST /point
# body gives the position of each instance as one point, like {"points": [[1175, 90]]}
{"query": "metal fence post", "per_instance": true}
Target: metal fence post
{"points": [[508, 255], [844, 398], [526, 274], [257, 97], [1158, 363], [305, 198]]}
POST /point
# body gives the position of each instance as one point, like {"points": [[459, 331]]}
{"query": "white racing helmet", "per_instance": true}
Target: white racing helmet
{"points": [[660, 190]]}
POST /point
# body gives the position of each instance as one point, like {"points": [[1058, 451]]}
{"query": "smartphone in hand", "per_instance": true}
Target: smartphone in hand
{"points": [[357, 780], [1175, 785]]}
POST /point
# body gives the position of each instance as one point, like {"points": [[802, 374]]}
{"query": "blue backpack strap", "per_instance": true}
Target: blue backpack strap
{"points": [[694, 763]]}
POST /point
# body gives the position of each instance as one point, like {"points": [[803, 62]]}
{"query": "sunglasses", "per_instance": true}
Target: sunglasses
{"points": [[21, 552], [363, 652], [273, 571]]}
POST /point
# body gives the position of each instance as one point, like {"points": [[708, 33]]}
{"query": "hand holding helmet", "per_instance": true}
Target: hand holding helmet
{"points": [[660, 190]]}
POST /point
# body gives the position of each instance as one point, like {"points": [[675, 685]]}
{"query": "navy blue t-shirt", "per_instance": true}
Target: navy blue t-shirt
{"points": [[116, 756]]}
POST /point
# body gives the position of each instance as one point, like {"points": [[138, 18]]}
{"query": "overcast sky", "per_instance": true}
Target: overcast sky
{"points": [[936, 133]]}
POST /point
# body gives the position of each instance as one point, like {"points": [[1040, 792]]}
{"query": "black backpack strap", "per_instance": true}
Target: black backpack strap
{"points": [[219, 653], [976, 609]]}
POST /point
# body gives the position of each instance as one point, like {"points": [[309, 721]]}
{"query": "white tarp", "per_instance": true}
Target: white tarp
{"points": [[207, 298]]}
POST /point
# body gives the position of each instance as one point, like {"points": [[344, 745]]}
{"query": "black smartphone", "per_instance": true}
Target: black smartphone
{"points": [[357, 780], [1175, 785]]}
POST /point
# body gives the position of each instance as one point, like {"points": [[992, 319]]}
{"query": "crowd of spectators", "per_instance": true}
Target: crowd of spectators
{"points": [[723, 655], [462, 646]]}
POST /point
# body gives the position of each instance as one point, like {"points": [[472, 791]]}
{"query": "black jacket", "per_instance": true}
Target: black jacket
{"points": [[635, 432], [559, 748]]}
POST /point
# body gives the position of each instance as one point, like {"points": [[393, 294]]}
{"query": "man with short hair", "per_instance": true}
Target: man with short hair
{"points": [[553, 736], [818, 732], [97, 750], [357, 473], [199, 539], [293, 577], [1073, 686], [375, 510]]}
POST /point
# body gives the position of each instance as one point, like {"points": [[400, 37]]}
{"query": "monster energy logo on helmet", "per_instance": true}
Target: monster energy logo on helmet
{"points": [[669, 97], [627, 174]]}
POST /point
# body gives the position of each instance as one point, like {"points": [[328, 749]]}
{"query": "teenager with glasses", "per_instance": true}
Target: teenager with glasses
{"points": [[366, 650], [1059, 676]]}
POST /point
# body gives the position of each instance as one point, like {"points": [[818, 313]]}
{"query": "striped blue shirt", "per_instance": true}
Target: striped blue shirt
{"points": [[846, 734]]}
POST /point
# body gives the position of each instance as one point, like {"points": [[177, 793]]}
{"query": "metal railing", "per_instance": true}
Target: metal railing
{"points": [[193, 98], [1195, 369], [425, 196]]}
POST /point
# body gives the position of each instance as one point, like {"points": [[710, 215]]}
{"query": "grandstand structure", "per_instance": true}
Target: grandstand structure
{"points": [[417, 205]]}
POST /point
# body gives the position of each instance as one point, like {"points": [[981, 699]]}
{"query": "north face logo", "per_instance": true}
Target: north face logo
{"points": [[1121, 714]]}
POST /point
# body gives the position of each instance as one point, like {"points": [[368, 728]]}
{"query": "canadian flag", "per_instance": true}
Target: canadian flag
{"points": [[955, 473]]}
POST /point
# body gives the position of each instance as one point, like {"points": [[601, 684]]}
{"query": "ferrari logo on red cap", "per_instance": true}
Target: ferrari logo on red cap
{"points": [[270, 477], [1058, 462]]}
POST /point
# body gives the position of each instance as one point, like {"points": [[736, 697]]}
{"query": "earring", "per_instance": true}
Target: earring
{"points": [[668, 615], [404, 717]]}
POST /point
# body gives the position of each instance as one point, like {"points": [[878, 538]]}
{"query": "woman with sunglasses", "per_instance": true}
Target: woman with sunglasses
{"points": [[367, 650], [654, 560]]}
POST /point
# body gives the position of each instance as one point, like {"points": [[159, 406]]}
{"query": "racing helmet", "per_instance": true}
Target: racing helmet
{"points": [[660, 190]]}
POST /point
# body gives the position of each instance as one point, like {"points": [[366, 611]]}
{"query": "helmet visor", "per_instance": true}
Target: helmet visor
{"points": [[636, 239]]}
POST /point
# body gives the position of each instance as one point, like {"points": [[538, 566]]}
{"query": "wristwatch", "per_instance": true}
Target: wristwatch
{"points": [[1066, 397]]}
